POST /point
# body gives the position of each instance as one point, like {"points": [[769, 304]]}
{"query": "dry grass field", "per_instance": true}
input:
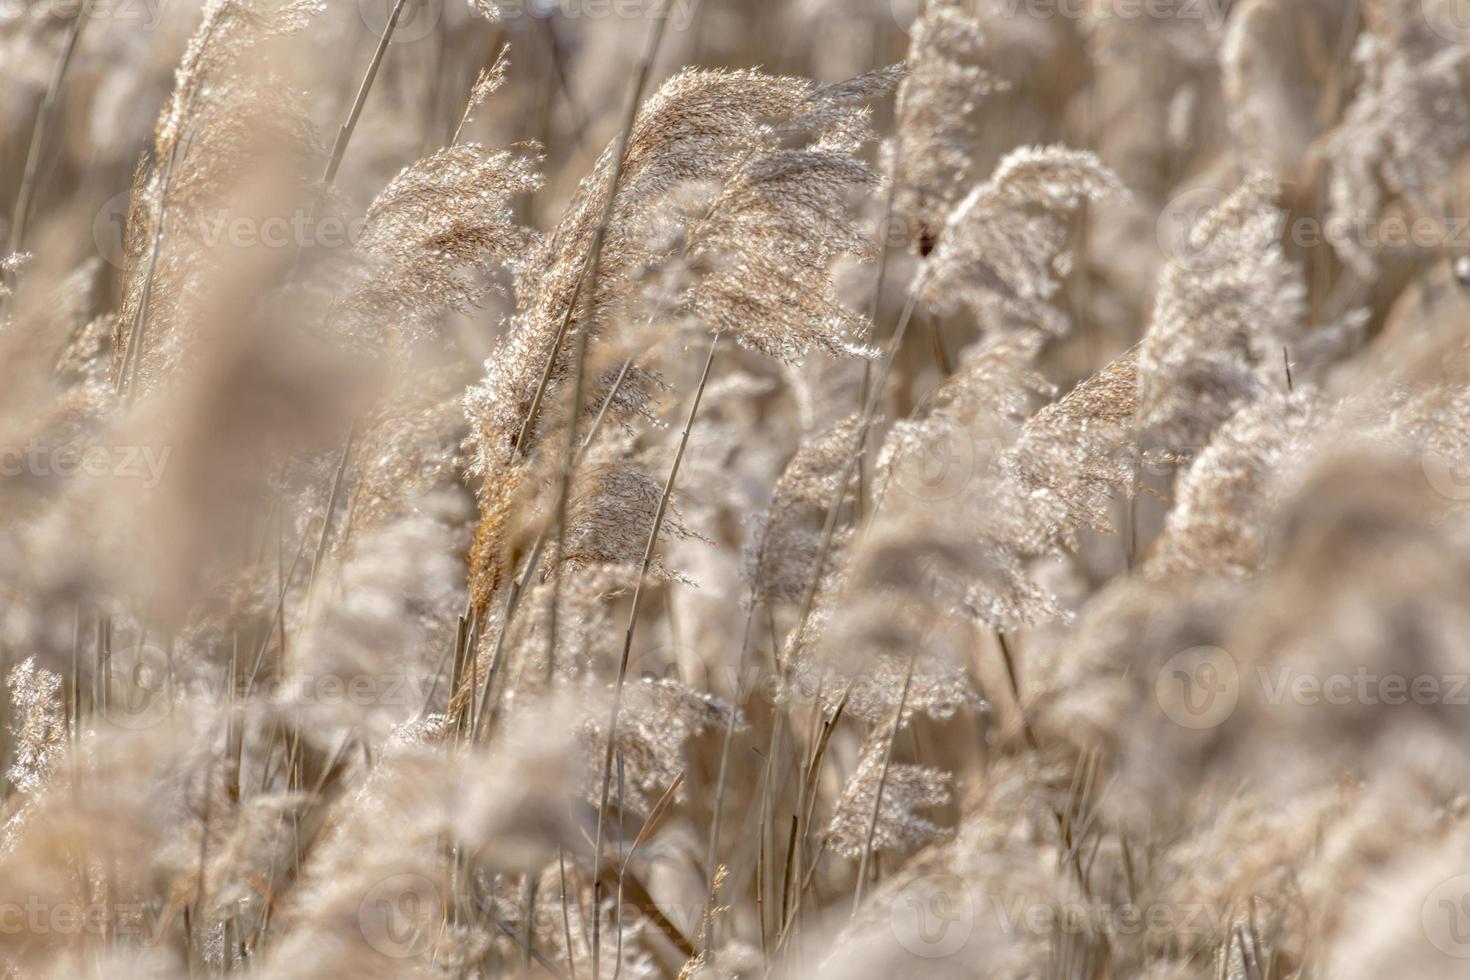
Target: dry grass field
{"points": [[837, 489]]}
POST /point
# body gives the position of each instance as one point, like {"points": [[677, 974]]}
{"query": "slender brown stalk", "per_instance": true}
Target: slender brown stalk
{"points": [[566, 916], [1014, 679], [636, 604], [564, 491], [45, 114], [125, 383], [717, 806], [588, 276], [349, 125], [834, 509], [518, 587], [338, 479], [862, 875], [879, 277]]}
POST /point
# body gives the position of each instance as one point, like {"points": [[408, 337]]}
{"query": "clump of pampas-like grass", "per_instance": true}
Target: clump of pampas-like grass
{"points": [[744, 490]]}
